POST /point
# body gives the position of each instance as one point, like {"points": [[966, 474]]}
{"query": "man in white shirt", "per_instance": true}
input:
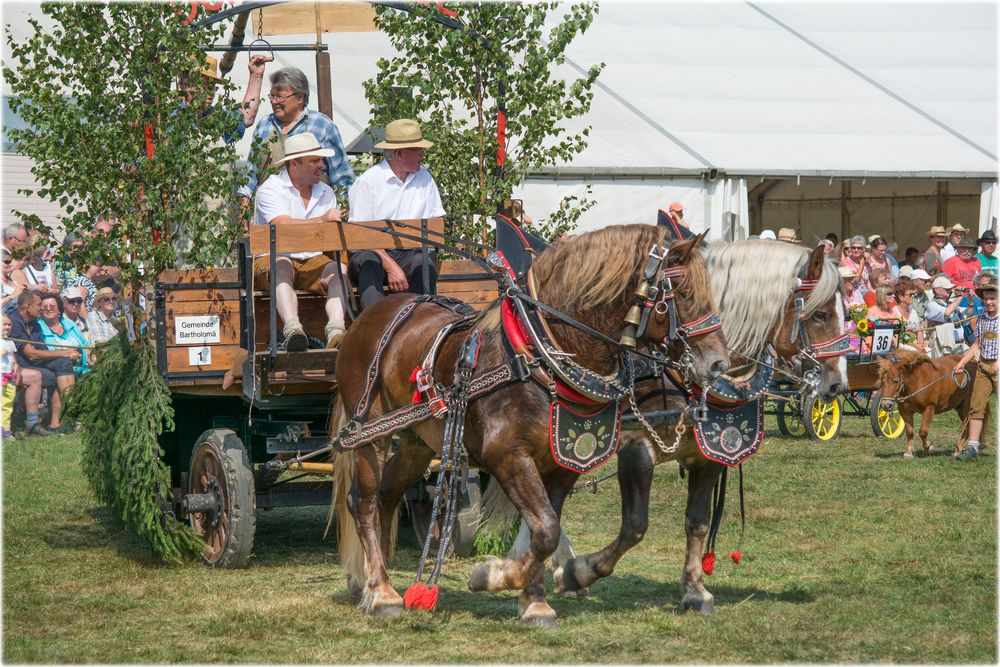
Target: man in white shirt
{"points": [[955, 234], [398, 188], [296, 195]]}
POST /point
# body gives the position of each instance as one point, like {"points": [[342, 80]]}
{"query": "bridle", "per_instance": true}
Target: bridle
{"points": [[810, 353], [661, 298]]}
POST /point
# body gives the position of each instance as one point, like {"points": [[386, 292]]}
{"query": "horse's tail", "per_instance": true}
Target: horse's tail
{"points": [[344, 466]]}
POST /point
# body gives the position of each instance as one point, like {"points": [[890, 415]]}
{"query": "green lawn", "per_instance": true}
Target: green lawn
{"points": [[851, 555]]}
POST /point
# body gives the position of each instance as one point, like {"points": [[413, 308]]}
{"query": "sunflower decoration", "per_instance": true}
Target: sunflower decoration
{"points": [[864, 326]]}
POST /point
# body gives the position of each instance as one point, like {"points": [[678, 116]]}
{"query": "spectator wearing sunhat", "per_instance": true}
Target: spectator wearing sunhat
{"points": [[931, 261], [787, 234], [941, 310], [987, 254], [853, 292], [955, 234], [204, 83], [964, 266], [398, 188], [986, 347], [296, 194]]}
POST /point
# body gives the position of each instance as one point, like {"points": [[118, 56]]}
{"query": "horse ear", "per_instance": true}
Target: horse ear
{"points": [[682, 249], [816, 259]]}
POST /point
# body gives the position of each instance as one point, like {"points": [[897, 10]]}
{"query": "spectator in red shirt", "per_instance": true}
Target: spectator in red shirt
{"points": [[879, 277], [964, 266]]}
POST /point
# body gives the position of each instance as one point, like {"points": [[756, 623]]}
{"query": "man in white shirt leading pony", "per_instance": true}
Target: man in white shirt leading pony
{"points": [[296, 195], [398, 188]]}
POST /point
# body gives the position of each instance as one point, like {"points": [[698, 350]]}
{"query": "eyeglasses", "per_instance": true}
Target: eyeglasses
{"points": [[75, 302], [107, 298], [50, 307], [855, 248], [988, 243], [280, 98]]}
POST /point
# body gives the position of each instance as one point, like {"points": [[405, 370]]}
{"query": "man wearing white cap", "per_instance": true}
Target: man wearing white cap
{"points": [[922, 281], [941, 310], [398, 188], [296, 195], [72, 298]]}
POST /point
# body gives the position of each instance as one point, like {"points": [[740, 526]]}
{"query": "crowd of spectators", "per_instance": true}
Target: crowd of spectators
{"points": [[931, 291], [54, 313]]}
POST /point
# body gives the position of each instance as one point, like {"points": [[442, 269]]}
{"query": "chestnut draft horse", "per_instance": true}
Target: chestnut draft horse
{"points": [[917, 384], [767, 293], [506, 433]]}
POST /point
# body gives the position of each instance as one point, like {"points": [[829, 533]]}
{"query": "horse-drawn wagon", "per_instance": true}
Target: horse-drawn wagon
{"points": [[800, 414], [242, 404]]}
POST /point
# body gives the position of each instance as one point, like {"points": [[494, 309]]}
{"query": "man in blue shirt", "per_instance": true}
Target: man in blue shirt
{"points": [[289, 97]]}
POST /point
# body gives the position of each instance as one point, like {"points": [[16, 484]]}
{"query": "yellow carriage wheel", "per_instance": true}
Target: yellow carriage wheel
{"points": [[886, 423], [821, 418]]}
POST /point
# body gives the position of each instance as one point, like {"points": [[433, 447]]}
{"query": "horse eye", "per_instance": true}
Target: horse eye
{"points": [[821, 317]]}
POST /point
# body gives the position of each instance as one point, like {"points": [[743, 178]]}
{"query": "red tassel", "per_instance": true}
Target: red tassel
{"points": [[737, 556], [416, 396], [708, 563], [419, 596], [413, 375]]}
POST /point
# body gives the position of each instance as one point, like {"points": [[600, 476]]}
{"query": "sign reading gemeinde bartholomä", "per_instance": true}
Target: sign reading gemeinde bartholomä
{"points": [[196, 329]]}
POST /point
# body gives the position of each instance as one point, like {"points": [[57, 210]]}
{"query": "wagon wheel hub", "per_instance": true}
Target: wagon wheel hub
{"points": [[208, 504]]}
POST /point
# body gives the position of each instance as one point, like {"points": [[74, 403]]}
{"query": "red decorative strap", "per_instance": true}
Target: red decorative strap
{"points": [[834, 347]]}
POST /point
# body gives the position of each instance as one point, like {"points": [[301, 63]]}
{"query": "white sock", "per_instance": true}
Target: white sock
{"points": [[334, 326]]}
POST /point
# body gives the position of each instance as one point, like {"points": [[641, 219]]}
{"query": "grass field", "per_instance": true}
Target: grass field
{"points": [[851, 555]]}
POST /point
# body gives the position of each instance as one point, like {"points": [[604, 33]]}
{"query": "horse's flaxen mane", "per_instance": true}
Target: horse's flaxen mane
{"points": [[595, 268], [752, 282]]}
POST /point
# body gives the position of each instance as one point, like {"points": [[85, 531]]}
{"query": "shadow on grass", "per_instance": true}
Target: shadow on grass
{"points": [[104, 530], [918, 453]]}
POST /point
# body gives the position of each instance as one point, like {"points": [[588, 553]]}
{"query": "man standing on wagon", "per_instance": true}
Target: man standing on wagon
{"points": [[398, 188], [296, 195], [987, 348]]}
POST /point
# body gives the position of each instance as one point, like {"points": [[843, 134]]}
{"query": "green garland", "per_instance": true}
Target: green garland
{"points": [[124, 405]]}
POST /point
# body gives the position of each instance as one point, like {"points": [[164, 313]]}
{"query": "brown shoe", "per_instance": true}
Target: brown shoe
{"points": [[333, 340]]}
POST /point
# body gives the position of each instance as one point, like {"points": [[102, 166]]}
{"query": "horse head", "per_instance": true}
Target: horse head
{"points": [[683, 316], [895, 371], [810, 334]]}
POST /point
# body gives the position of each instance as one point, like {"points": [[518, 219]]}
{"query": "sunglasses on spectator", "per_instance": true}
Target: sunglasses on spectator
{"points": [[988, 243], [75, 302], [107, 298], [8, 261], [50, 307]]}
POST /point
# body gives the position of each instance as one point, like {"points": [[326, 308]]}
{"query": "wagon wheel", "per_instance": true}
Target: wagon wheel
{"points": [[221, 502], [789, 418], [821, 418], [885, 423]]}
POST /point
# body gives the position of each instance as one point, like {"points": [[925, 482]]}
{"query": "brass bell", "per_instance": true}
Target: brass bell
{"points": [[628, 337], [634, 315], [642, 291]]}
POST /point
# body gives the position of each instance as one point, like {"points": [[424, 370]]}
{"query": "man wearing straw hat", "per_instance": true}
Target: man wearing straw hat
{"points": [[931, 261], [955, 234], [985, 347], [398, 188], [295, 195]]}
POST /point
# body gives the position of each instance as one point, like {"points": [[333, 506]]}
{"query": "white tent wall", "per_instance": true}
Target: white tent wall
{"points": [[898, 209], [720, 206]]}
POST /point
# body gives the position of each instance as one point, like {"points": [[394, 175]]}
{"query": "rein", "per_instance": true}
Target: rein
{"points": [[953, 375]]}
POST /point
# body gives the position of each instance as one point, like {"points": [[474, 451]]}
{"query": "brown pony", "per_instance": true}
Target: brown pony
{"points": [[918, 384], [757, 308], [592, 278]]}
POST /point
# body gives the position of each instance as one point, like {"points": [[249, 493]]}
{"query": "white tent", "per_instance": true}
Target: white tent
{"points": [[844, 117]]}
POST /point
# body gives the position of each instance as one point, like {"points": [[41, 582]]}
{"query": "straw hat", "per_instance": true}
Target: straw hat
{"points": [[404, 133], [937, 230], [211, 68], [990, 286], [847, 272], [787, 234], [106, 291], [303, 145], [957, 228]]}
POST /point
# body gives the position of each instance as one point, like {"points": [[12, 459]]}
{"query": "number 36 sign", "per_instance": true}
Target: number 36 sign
{"points": [[882, 339]]}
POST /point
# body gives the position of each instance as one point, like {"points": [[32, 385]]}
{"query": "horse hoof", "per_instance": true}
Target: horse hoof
{"points": [[566, 581], [698, 605], [908, 455], [928, 449], [381, 605], [387, 610], [540, 615], [487, 576]]}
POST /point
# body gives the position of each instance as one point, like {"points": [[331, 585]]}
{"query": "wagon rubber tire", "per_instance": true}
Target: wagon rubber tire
{"points": [[821, 418], [219, 464], [885, 423], [789, 418]]}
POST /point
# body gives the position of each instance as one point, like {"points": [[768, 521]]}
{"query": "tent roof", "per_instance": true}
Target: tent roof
{"points": [[808, 88]]}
